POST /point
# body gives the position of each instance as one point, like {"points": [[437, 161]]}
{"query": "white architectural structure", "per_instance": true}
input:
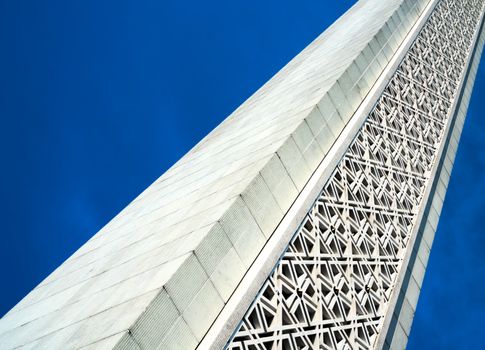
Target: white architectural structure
{"points": [[303, 221]]}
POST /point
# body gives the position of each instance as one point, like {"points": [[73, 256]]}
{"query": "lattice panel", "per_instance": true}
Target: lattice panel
{"points": [[331, 287]]}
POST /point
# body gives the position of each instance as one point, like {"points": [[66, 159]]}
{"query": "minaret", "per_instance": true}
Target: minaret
{"points": [[303, 221]]}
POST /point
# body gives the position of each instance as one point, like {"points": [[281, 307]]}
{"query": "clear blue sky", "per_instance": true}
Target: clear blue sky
{"points": [[99, 98]]}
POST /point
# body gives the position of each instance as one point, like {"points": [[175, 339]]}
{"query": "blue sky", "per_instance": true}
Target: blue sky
{"points": [[99, 98]]}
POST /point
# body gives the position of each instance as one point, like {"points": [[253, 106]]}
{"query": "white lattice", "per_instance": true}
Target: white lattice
{"points": [[331, 287]]}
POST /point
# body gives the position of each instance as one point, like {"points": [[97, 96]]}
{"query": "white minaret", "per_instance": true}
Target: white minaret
{"points": [[303, 221]]}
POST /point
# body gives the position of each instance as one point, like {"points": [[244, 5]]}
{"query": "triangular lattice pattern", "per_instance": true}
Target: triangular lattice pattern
{"points": [[330, 289]]}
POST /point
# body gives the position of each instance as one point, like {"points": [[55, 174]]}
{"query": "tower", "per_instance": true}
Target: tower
{"points": [[303, 221]]}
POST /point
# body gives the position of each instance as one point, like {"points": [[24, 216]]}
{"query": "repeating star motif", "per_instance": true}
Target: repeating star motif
{"points": [[331, 287]]}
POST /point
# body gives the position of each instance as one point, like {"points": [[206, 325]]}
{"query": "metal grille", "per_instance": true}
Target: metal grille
{"points": [[331, 287]]}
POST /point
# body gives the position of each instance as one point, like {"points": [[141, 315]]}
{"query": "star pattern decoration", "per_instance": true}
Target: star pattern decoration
{"points": [[332, 285]]}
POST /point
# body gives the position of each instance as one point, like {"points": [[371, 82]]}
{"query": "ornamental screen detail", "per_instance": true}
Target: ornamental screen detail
{"points": [[331, 287]]}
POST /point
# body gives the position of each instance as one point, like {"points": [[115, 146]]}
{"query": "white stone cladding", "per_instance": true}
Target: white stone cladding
{"points": [[160, 272], [351, 274]]}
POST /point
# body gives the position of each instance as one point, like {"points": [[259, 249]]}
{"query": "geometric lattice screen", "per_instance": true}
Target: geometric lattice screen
{"points": [[331, 287]]}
